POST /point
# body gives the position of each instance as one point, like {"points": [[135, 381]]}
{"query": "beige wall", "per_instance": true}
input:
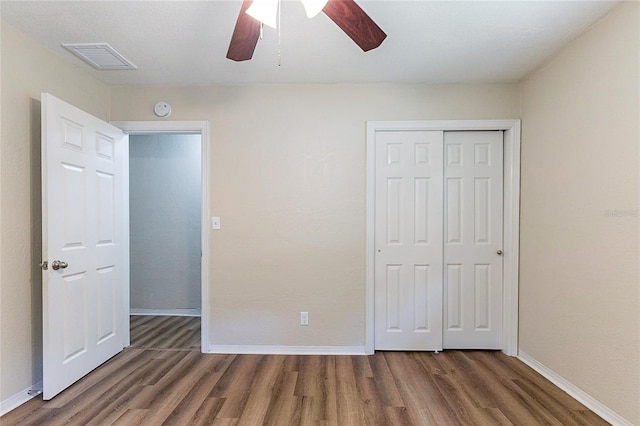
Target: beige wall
{"points": [[579, 271], [27, 70], [288, 180]]}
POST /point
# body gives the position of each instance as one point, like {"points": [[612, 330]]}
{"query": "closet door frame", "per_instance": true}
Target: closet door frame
{"points": [[511, 223]]}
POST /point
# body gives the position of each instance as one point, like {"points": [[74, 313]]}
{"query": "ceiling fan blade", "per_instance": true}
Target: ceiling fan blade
{"points": [[245, 35], [355, 23]]}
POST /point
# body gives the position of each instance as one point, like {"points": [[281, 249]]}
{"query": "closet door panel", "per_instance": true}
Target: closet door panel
{"points": [[408, 237], [473, 240]]}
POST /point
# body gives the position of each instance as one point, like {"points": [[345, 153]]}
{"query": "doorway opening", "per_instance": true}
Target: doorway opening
{"points": [[164, 234], [169, 157]]}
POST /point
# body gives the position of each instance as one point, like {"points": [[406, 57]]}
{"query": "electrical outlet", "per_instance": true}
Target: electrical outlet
{"points": [[304, 318]]}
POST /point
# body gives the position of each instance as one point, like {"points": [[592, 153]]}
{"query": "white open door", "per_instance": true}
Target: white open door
{"points": [[85, 242]]}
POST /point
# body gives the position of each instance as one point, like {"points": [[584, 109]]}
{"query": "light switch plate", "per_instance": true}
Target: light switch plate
{"points": [[215, 222]]}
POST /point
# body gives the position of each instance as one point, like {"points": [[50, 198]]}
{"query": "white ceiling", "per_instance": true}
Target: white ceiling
{"points": [[185, 42]]}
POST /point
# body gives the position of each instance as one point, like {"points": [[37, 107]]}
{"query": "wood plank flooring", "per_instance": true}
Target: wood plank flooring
{"points": [[162, 382], [165, 332]]}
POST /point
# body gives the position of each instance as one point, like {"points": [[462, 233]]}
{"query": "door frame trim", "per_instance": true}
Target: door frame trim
{"points": [[511, 213], [201, 127]]}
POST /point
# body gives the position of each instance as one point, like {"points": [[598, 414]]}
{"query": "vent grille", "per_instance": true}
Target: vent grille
{"points": [[100, 56]]}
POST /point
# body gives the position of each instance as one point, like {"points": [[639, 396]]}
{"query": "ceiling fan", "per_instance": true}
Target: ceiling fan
{"points": [[345, 13]]}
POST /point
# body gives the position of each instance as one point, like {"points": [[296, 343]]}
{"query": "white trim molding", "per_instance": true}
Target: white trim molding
{"points": [[166, 312], [201, 127], [286, 350], [14, 401], [578, 394], [511, 224]]}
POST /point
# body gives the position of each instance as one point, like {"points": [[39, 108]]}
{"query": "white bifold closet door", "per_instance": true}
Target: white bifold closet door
{"points": [[438, 232]]}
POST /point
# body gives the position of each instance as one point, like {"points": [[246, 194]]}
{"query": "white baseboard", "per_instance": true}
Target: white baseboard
{"points": [[166, 312], [581, 396], [19, 398], [286, 350]]}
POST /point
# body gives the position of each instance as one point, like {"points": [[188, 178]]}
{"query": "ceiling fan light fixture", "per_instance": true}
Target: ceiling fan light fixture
{"points": [[313, 7], [265, 11]]}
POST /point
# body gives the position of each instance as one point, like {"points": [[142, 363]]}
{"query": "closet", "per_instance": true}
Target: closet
{"points": [[438, 240]]}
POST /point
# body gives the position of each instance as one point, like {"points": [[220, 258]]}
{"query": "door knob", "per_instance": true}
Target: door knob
{"points": [[499, 252], [58, 264]]}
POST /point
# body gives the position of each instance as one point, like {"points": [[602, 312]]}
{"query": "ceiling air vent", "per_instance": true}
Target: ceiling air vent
{"points": [[100, 56]]}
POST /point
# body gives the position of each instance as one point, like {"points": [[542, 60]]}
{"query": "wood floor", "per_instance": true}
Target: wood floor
{"points": [[163, 379], [162, 332]]}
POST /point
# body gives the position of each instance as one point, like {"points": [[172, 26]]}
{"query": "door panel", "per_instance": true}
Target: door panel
{"points": [[84, 202], [473, 230], [408, 235]]}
